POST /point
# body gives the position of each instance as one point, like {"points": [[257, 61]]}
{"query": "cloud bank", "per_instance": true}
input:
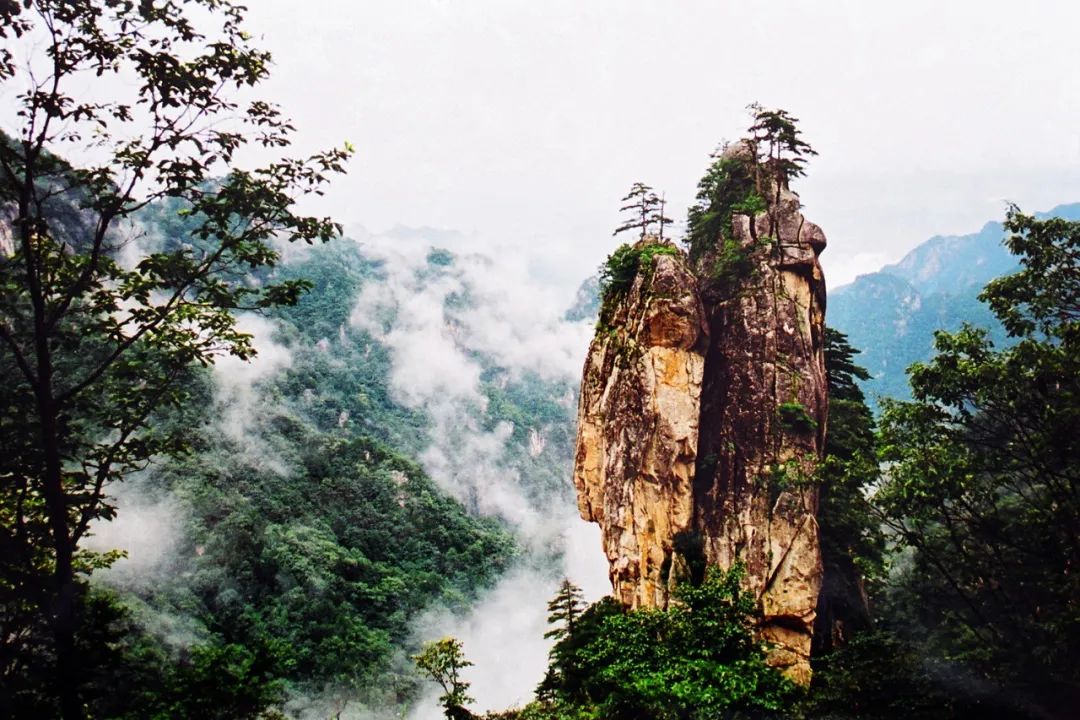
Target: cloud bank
{"points": [[447, 320]]}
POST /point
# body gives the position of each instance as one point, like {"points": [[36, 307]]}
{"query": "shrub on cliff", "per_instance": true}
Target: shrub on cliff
{"points": [[619, 270]]}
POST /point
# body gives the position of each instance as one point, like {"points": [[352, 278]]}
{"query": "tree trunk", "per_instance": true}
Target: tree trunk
{"points": [[67, 661], [63, 610]]}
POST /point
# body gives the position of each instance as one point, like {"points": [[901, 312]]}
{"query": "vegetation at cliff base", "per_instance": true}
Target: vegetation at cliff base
{"points": [[852, 541], [697, 659]]}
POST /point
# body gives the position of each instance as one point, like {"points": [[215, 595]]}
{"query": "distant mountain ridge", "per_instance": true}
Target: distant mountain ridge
{"points": [[891, 315]]}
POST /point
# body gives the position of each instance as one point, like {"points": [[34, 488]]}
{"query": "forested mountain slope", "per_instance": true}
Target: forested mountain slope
{"points": [[891, 315], [324, 508]]}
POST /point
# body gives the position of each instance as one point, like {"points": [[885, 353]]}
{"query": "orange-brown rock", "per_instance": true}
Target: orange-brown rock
{"points": [[638, 426], [702, 414]]}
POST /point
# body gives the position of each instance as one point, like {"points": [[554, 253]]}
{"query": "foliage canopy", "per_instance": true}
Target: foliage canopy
{"points": [[982, 484], [95, 332], [697, 659]]}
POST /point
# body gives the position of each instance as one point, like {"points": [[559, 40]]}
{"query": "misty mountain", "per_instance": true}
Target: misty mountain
{"points": [[394, 467], [891, 314], [394, 461], [586, 304]]}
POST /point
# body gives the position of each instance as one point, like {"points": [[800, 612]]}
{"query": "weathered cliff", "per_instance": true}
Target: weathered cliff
{"points": [[638, 422], [702, 418], [763, 415]]}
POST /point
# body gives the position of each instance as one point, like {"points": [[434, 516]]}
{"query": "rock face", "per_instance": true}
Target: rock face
{"points": [[638, 426], [702, 417], [763, 415]]}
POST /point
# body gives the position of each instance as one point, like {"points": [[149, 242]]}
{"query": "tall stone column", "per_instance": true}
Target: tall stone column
{"points": [[762, 429], [702, 415]]}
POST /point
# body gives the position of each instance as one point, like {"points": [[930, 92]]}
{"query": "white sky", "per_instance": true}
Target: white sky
{"points": [[522, 122]]}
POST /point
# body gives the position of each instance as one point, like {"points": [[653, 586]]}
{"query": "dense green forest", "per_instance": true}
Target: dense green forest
{"points": [[310, 536], [178, 339]]}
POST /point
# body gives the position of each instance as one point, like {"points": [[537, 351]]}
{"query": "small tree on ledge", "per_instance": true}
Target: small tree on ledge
{"points": [[778, 143], [647, 208], [779, 150]]}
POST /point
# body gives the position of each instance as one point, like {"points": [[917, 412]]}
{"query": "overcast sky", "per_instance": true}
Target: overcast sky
{"points": [[521, 123]]}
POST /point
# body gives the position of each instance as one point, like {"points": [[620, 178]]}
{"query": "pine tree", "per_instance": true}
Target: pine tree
{"points": [[852, 543], [660, 219], [564, 610], [778, 143], [647, 208], [780, 151]]}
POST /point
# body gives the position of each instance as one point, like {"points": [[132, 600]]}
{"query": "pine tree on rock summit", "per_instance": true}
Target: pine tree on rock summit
{"points": [[648, 211]]}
